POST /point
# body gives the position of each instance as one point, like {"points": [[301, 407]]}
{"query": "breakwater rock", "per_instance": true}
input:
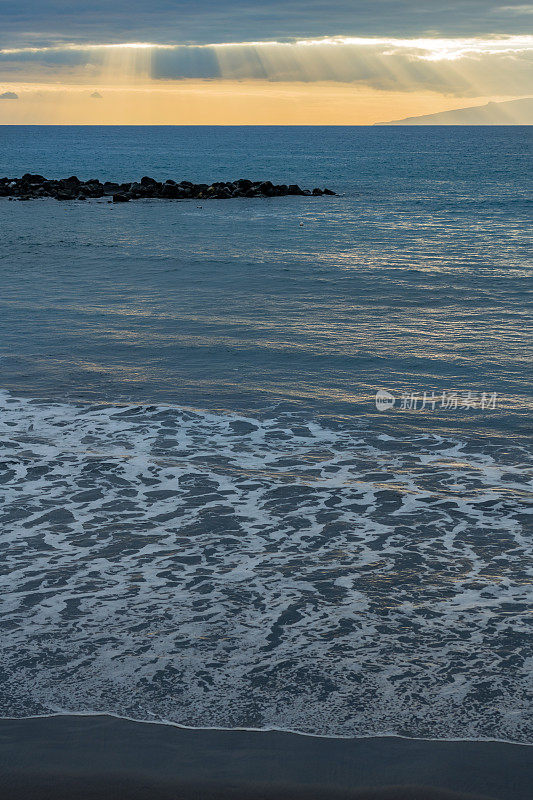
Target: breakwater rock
{"points": [[31, 187]]}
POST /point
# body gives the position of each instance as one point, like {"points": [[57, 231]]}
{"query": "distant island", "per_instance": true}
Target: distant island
{"points": [[32, 187], [512, 112]]}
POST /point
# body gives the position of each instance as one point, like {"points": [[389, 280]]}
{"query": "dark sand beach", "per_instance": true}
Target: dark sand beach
{"points": [[84, 758]]}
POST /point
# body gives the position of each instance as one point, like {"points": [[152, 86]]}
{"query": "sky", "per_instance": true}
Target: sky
{"points": [[258, 62]]}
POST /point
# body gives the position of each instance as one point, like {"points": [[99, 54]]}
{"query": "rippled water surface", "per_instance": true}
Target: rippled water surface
{"points": [[205, 519]]}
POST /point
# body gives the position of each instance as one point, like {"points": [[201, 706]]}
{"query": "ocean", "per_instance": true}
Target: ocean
{"points": [[206, 518]]}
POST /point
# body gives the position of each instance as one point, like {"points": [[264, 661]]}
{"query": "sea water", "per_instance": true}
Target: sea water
{"points": [[206, 519]]}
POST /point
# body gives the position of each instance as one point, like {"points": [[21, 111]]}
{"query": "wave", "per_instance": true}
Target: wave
{"points": [[220, 571]]}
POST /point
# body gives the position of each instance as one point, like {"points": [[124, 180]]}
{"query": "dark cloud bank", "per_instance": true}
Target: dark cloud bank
{"points": [[39, 22]]}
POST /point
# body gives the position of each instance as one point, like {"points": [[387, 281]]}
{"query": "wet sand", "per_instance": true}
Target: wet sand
{"points": [[85, 758]]}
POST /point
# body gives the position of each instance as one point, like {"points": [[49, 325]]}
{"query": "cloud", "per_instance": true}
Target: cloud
{"points": [[462, 66], [9, 96], [522, 9], [465, 48], [96, 95], [39, 22]]}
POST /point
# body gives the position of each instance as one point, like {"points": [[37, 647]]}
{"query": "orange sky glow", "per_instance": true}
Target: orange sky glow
{"points": [[336, 81]]}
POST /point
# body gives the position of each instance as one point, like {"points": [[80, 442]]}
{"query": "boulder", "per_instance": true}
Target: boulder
{"points": [[172, 191], [91, 189], [266, 189], [66, 193], [33, 180], [33, 185]]}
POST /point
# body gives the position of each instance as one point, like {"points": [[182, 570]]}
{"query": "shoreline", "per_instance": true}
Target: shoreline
{"points": [[293, 732], [87, 756]]}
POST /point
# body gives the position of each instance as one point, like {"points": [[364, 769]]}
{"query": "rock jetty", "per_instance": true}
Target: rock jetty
{"points": [[31, 187]]}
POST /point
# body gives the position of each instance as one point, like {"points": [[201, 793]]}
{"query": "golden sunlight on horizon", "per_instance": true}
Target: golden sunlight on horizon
{"points": [[221, 103], [336, 81]]}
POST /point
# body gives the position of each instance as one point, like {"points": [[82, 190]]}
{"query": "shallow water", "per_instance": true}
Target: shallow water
{"points": [[206, 519]]}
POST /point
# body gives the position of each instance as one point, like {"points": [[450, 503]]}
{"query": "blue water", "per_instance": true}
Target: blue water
{"points": [[206, 518]]}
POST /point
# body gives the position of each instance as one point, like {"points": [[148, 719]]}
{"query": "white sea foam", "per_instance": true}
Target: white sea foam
{"points": [[214, 570]]}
